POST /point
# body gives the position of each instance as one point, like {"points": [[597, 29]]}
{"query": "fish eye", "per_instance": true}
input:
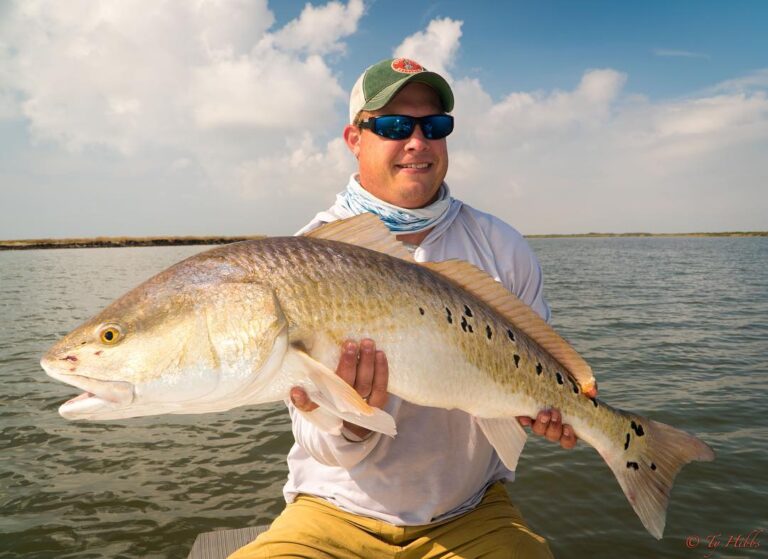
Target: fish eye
{"points": [[110, 335]]}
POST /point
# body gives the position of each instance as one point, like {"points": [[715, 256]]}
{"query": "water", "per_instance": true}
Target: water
{"points": [[674, 328]]}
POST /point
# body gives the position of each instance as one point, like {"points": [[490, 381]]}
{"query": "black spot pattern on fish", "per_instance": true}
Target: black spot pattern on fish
{"points": [[539, 368], [638, 429], [464, 323], [517, 360], [449, 316], [421, 311], [626, 444], [488, 332], [575, 386], [634, 465], [559, 378], [594, 401], [653, 466], [467, 311], [510, 335]]}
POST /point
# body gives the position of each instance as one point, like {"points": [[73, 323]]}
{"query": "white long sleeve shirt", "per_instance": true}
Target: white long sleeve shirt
{"points": [[440, 462]]}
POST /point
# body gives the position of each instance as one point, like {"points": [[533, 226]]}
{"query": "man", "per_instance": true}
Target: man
{"points": [[435, 489]]}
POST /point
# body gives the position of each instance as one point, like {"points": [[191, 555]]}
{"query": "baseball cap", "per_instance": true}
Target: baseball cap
{"points": [[381, 82]]}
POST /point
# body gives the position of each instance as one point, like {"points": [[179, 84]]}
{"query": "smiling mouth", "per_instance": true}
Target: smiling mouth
{"points": [[414, 165]]}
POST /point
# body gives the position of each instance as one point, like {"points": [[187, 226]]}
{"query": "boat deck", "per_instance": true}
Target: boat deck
{"points": [[220, 543]]}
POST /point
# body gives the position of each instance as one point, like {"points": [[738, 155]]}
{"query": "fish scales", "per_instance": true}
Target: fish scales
{"points": [[243, 323]]}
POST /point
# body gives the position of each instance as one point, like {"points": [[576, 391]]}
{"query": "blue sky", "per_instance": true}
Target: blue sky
{"points": [[225, 118]]}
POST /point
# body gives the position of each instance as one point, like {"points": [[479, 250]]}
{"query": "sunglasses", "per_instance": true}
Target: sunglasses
{"points": [[400, 127]]}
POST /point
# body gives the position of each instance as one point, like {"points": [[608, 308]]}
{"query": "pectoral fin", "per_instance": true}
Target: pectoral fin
{"points": [[334, 396], [323, 420], [507, 436]]}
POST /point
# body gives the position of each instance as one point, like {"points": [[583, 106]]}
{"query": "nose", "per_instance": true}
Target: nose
{"points": [[417, 141]]}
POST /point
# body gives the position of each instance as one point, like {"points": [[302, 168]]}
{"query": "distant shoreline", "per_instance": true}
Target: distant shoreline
{"points": [[118, 242]]}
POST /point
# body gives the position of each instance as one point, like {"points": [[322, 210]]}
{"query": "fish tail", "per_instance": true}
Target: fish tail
{"points": [[646, 462]]}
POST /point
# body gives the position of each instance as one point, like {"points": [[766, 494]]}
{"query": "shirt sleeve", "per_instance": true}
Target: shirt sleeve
{"points": [[330, 450], [519, 269]]}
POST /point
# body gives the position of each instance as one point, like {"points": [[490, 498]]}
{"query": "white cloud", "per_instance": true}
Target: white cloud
{"points": [[563, 161], [123, 76], [436, 47], [320, 29]]}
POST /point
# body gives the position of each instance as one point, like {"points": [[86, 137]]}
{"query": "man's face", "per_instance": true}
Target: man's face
{"points": [[406, 173]]}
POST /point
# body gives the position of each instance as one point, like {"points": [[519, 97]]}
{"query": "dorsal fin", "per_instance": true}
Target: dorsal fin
{"points": [[491, 292], [365, 230]]}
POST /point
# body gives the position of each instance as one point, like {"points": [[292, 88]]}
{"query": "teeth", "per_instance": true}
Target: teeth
{"points": [[415, 166]]}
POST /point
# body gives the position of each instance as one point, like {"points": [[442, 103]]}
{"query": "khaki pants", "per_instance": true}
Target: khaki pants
{"points": [[313, 528]]}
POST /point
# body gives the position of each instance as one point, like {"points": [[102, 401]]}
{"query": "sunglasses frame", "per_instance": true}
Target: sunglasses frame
{"points": [[370, 124]]}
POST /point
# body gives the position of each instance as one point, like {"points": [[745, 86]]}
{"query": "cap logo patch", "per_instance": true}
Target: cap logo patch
{"points": [[406, 66]]}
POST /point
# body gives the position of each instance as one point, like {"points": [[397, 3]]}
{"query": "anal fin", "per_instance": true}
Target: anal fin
{"points": [[507, 436]]}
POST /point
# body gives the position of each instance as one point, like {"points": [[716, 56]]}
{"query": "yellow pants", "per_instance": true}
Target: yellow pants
{"points": [[313, 528]]}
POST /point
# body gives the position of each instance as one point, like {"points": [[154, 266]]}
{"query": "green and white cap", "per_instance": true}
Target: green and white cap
{"points": [[382, 81]]}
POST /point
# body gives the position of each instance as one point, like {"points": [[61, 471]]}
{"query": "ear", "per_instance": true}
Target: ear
{"points": [[352, 137]]}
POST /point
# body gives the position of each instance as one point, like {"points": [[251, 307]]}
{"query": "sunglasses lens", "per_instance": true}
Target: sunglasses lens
{"points": [[436, 127], [394, 127], [400, 127]]}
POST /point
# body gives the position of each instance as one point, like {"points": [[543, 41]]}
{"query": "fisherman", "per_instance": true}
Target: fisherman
{"points": [[436, 489]]}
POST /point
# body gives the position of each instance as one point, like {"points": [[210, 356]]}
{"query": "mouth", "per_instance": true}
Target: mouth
{"points": [[100, 395], [414, 166]]}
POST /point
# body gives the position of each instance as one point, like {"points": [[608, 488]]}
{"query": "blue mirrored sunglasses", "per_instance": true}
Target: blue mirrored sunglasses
{"points": [[400, 127]]}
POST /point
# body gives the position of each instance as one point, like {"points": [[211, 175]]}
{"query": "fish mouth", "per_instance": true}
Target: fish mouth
{"points": [[100, 399]]}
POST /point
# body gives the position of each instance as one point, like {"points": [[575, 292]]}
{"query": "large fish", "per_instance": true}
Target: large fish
{"points": [[243, 323]]}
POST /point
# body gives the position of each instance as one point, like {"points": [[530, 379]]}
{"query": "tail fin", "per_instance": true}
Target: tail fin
{"points": [[652, 455]]}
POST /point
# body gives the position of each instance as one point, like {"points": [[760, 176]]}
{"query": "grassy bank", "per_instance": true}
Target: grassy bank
{"points": [[26, 244], [101, 242]]}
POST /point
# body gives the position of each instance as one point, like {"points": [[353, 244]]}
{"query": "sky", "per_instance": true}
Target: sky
{"points": [[224, 117]]}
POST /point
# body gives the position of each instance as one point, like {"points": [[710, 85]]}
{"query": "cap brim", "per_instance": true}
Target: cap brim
{"points": [[435, 81]]}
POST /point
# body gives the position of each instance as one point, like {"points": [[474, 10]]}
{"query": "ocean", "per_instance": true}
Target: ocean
{"points": [[675, 329]]}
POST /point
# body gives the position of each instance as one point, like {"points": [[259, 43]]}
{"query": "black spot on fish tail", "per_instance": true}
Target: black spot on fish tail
{"points": [[517, 360], [559, 378], [448, 315], [626, 444], [464, 323], [467, 311], [488, 332], [633, 465], [510, 335], [539, 368], [421, 311], [638, 429], [469, 327], [653, 466]]}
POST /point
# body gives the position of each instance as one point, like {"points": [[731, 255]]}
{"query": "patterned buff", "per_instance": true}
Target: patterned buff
{"points": [[399, 220]]}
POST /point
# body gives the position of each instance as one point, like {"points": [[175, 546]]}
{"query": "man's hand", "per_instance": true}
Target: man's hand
{"points": [[363, 368], [549, 424]]}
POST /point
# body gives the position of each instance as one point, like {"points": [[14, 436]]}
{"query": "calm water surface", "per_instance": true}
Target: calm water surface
{"points": [[674, 328]]}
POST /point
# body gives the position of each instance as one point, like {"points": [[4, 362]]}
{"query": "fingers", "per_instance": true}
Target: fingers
{"points": [[380, 381], [568, 440], [347, 368], [300, 399], [554, 428], [548, 423], [364, 377]]}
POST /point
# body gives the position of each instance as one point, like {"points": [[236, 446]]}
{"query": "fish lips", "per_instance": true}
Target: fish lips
{"points": [[99, 399]]}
